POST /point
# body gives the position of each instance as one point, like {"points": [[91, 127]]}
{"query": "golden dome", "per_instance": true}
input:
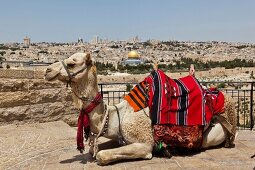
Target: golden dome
{"points": [[133, 54]]}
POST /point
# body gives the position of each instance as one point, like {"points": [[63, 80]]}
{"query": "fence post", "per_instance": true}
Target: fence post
{"points": [[101, 88], [251, 107]]}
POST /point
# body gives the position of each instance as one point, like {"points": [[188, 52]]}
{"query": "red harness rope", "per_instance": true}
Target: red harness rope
{"points": [[83, 121]]}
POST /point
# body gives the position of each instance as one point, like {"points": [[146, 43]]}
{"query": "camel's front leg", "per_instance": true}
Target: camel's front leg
{"points": [[132, 151]]}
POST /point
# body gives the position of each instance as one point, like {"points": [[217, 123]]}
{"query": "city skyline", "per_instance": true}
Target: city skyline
{"points": [[66, 21]]}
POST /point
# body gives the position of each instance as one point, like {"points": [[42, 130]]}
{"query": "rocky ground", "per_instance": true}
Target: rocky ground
{"points": [[52, 146]]}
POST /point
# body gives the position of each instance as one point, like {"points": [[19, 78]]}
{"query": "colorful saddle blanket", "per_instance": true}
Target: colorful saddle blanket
{"points": [[175, 101], [174, 136]]}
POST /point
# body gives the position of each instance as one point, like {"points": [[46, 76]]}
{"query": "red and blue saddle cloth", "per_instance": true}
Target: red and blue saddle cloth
{"points": [[175, 101]]}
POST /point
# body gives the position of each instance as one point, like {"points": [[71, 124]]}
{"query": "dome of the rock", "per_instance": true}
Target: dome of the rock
{"points": [[133, 54]]}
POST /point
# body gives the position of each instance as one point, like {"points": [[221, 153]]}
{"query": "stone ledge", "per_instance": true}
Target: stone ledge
{"points": [[39, 113]]}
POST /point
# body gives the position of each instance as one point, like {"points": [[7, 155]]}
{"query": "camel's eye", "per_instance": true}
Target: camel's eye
{"points": [[70, 65]]}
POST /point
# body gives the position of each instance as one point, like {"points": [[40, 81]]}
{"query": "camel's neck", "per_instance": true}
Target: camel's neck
{"points": [[87, 88]]}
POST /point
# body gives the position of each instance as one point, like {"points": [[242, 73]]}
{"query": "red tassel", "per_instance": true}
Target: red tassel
{"points": [[79, 137], [83, 122]]}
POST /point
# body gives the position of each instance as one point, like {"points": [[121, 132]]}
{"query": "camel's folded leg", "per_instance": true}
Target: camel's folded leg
{"points": [[214, 136], [132, 151], [104, 144]]}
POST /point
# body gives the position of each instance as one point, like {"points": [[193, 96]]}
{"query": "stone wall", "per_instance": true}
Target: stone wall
{"points": [[21, 74], [35, 100]]}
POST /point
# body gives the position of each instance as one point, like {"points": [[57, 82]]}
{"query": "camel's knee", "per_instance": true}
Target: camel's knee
{"points": [[102, 157]]}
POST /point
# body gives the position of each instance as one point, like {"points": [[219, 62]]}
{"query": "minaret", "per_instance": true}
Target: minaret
{"points": [[26, 41]]}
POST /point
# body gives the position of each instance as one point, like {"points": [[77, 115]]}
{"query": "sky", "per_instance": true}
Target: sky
{"points": [[182, 20]]}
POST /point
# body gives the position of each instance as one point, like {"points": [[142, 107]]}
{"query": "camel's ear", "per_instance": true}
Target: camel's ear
{"points": [[192, 70], [88, 59], [94, 69]]}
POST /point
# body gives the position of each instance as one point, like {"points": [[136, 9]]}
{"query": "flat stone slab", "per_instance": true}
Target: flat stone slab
{"points": [[33, 144], [53, 146]]}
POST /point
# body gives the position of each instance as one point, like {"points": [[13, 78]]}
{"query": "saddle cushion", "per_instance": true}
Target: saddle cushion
{"points": [[174, 136]]}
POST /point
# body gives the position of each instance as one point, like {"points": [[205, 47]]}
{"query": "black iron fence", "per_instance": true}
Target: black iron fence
{"points": [[242, 93]]}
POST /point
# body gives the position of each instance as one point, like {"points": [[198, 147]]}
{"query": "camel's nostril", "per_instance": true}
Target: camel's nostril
{"points": [[48, 70]]}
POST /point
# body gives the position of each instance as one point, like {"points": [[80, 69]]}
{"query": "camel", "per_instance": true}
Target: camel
{"points": [[134, 128]]}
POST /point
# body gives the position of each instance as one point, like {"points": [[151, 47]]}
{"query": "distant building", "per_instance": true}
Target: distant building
{"points": [[26, 41], [80, 40], [136, 39], [133, 59], [96, 40]]}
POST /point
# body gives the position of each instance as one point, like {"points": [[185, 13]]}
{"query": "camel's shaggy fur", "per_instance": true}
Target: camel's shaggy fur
{"points": [[231, 118], [135, 126]]}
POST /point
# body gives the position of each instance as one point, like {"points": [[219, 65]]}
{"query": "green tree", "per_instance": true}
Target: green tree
{"points": [[2, 53], [128, 87], [252, 75], [1, 59], [147, 43], [222, 85]]}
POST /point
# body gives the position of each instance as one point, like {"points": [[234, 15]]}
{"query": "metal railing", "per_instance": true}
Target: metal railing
{"points": [[242, 93]]}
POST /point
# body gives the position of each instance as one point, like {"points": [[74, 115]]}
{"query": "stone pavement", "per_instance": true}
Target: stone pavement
{"points": [[52, 146]]}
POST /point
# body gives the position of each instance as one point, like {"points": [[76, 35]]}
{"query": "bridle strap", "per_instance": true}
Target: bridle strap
{"points": [[102, 131], [120, 136], [71, 75], [80, 71], [67, 71]]}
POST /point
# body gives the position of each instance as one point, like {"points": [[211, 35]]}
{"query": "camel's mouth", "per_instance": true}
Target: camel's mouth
{"points": [[51, 78]]}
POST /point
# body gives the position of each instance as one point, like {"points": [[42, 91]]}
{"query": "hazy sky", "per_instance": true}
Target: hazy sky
{"points": [[66, 20]]}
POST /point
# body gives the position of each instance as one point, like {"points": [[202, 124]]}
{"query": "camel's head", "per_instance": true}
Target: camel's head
{"points": [[71, 69]]}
